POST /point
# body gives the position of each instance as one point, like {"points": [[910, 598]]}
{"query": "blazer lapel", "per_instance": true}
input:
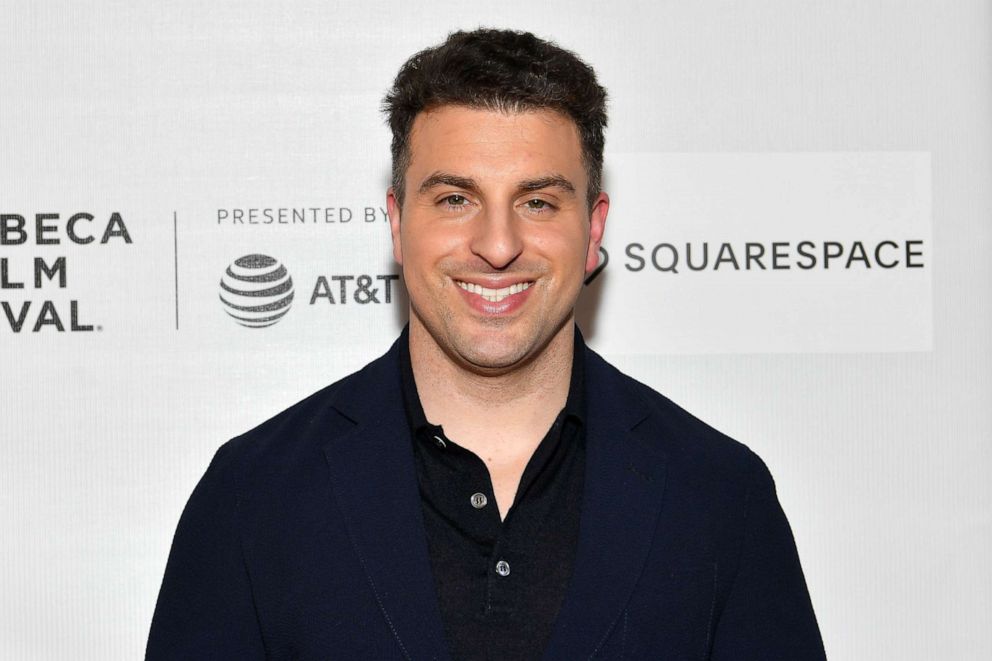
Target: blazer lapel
{"points": [[374, 480], [624, 484]]}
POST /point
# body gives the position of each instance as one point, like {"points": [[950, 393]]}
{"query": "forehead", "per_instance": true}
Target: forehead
{"points": [[478, 142]]}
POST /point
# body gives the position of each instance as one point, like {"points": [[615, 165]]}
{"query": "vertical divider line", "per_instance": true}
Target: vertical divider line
{"points": [[175, 262]]}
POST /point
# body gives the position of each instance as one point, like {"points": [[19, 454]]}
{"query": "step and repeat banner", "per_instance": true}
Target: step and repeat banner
{"points": [[193, 236]]}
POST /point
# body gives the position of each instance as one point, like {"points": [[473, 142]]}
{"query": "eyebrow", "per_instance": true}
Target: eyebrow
{"points": [[446, 179], [551, 181], [469, 184]]}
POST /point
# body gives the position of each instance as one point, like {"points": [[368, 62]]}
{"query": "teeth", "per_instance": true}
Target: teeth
{"points": [[494, 295]]}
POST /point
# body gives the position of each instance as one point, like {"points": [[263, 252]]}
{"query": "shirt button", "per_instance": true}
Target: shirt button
{"points": [[503, 568], [438, 441], [479, 500]]}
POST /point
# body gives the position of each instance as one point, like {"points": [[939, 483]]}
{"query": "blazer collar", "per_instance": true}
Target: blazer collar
{"points": [[624, 485], [374, 479]]}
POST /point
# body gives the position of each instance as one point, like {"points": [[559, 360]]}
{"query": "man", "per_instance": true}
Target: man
{"points": [[490, 488]]}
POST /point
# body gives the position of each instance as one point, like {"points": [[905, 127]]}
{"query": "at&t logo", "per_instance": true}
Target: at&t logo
{"points": [[256, 291]]}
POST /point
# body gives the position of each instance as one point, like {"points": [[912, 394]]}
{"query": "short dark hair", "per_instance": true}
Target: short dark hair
{"points": [[501, 70]]}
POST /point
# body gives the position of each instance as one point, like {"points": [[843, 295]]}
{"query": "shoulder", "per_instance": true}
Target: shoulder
{"points": [[669, 430], [295, 437]]}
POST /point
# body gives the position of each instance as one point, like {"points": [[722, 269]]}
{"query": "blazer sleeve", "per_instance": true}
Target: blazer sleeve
{"points": [[768, 614], [205, 608]]}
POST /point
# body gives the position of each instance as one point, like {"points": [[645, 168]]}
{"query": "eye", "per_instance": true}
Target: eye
{"points": [[455, 200], [538, 205]]}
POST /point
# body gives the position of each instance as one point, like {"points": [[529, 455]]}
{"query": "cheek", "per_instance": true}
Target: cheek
{"points": [[564, 250], [426, 250]]}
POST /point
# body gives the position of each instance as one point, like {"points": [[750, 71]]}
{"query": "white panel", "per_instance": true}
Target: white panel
{"points": [[739, 253]]}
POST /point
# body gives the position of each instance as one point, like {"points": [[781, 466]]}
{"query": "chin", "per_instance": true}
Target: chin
{"points": [[491, 358], [497, 349]]}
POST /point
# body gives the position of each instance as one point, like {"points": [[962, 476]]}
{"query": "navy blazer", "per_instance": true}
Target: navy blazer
{"points": [[305, 540]]}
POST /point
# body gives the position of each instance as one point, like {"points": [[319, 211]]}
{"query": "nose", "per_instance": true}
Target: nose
{"points": [[497, 237]]}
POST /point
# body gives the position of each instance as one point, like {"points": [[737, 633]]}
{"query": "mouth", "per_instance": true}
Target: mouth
{"points": [[494, 295]]}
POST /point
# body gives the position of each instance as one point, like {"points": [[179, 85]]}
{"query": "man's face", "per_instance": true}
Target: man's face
{"points": [[495, 235]]}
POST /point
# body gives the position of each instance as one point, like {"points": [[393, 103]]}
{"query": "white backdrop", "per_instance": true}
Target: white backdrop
{"points": [[865, 388]]}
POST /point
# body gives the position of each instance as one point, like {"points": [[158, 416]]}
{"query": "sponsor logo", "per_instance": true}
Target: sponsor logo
{"points": [[363, 289], [727, 256], [256, 290], [775, 256]]}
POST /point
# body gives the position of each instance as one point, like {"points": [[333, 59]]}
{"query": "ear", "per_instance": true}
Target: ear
{"points": [[393, 209], [597, 225]]}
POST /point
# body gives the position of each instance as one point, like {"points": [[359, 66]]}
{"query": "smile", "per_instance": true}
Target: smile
{"points": [[494, 295]]}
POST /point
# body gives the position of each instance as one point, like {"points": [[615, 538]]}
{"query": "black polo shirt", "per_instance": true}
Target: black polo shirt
{"points": [[500, 583]]}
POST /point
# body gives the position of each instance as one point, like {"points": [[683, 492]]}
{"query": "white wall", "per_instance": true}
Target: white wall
{"points": [[169, 112]]}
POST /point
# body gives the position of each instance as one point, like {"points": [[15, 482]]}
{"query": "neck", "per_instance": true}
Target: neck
{"points": [[500, 416]]}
